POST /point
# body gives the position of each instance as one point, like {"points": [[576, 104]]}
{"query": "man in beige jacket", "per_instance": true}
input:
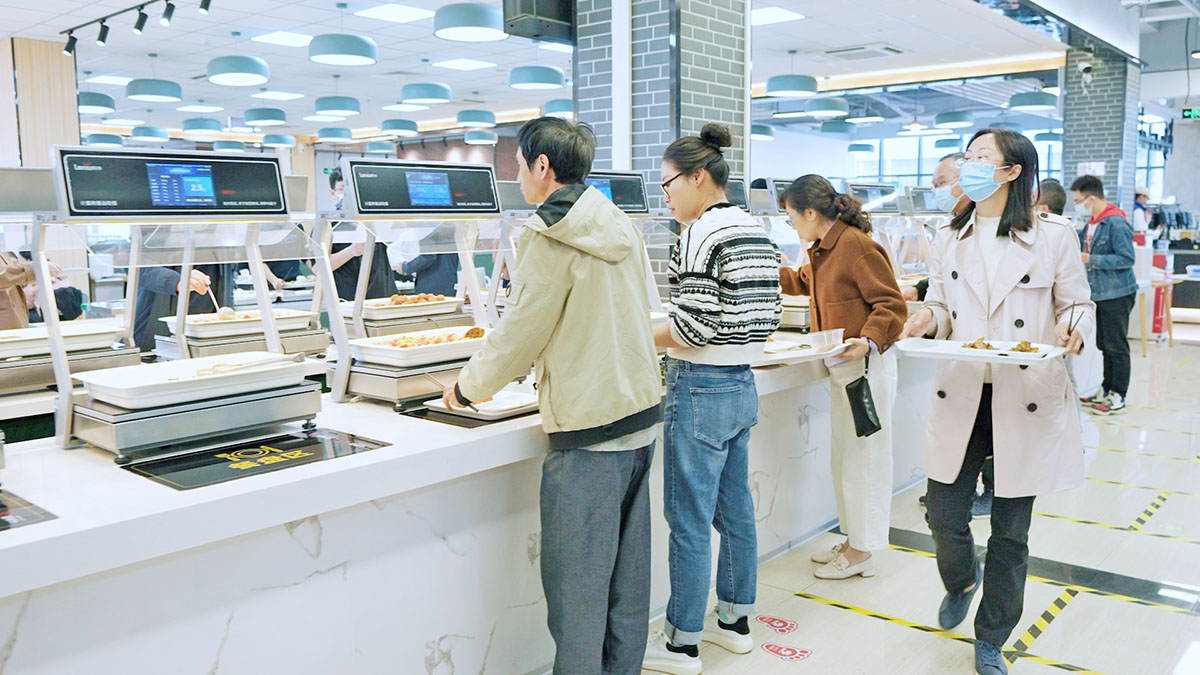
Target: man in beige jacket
{"points": [[578, 312]]}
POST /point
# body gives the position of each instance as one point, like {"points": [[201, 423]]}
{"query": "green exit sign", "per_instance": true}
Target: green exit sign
{"points": [[1191, 113]]}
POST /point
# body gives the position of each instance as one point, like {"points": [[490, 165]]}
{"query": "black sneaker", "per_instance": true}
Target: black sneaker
{"points": [[921, 501], [955, 605], [982, 506], [989, 660]]}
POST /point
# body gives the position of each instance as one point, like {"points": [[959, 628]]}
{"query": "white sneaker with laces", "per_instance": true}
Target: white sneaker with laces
{"points": [[729, 640], [840, 568], [662, 660], [827, 556]]}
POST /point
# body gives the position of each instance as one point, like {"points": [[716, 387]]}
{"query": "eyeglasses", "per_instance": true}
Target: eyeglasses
{"points": [[958, 163], [666, 183]]}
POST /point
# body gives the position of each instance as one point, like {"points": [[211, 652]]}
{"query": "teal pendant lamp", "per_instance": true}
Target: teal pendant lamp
{"points": [[380, 147], [399, 128], [860, 149], [480, 137], [562, 108], [238, 71], [837, 127], [425, 93], [762, 132], [827, 107], [1033, 101], [791, 85], [342, 49], [335, 135], [264, 117], [103, 140], [279, 141], [153, 91], [229, 146], [536, 77], [95, 103], [469, 22], [476, 119], [954, 120], [150, 134], [200, 127], [948, 144]]}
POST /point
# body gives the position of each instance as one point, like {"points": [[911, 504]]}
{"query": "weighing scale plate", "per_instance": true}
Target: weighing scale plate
{"points": [[22, 512]]}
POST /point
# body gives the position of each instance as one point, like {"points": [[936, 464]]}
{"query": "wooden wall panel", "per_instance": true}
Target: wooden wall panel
{"points": [[46, 105], [10, 146]]}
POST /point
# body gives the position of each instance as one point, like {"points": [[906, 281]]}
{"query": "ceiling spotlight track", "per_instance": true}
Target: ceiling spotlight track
{"points": [[139, 24]]}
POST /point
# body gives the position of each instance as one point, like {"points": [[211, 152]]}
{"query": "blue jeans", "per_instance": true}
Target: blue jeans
{"points": [[706, 442]]}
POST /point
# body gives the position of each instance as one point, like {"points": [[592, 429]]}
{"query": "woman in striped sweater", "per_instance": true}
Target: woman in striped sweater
{"points": [[724, 279]]}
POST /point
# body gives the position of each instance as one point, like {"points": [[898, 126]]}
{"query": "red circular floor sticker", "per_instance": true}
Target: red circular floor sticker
{"points": [[777, 624], [787, 653]]}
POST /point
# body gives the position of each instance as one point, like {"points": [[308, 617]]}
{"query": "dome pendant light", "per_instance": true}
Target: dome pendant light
{"points": [[827, 107], [837, 127], [337, 106], [335, 135], [423, 93], [279, 141], [264, 117], [229, 146], [954, 120], [791, 85], [948, 144], [153, 90], [95, 103], [381, 147], [399, 128], [860, 149], [762, 132], [343, 49], [237, 70], [103, 140], [1048, 137], [1032, 101], [469, 22], [563, 108], [150, 134], [200, 127], [476, 119], [536, 77], [480, 137]]}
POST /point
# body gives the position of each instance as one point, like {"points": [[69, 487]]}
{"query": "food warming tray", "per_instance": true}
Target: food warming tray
{"points": [[503, 405], [381, 309], [77, 336], [376, 349], [285, 319], [153, 385], [953, 350]]}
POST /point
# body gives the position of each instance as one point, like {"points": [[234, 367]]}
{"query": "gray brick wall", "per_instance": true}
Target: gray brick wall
{"points": [[655, 99], [1100, 122], [712, 48], [593, 74]]}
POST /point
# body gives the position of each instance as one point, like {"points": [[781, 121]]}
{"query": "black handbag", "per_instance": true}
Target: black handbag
{"points": [[862, 404]]}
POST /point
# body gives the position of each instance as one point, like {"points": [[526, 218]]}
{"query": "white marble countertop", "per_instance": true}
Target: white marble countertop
{"points": [[108, 517]]}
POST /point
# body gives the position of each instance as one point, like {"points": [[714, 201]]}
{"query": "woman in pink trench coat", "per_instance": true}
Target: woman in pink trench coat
{"points": [[1000, 273]]}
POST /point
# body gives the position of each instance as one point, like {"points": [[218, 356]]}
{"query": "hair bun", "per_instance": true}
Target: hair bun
{"points": [[842, 203], [716, 135]]}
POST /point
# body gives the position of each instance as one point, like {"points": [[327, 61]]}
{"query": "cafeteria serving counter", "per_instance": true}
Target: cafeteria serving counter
{"points": [[419, 554]]}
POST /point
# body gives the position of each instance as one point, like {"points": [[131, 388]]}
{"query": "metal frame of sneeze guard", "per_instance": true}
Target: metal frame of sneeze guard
{"points": [[191, 226], [466, 236]]}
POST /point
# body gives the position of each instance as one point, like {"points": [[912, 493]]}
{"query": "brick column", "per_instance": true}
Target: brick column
{"points": [[1100, 118]]}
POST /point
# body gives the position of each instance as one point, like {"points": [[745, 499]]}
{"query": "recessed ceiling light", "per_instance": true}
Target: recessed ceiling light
{"points": [[110, 79], [865, 119], [120, 122], [277, 95], [789, 114], [200, 108], [284, 39], [1150, 118], [557, 47], [405, 107], [323, 118], [395, 13], [464, 64], [765, 16]]}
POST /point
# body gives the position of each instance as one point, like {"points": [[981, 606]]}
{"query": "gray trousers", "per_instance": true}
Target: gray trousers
{"points": [[596, 558]]}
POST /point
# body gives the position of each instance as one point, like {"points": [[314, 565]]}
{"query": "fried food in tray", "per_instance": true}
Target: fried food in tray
{"points": [[979, 344], [1024, 346], [417, 299], [426, 338]]}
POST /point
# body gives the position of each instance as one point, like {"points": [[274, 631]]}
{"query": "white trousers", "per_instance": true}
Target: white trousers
{"points": [[862, 467]]}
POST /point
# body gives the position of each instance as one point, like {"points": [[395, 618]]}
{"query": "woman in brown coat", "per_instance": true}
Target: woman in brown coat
{"points": [[15, 272], [852, 287]]}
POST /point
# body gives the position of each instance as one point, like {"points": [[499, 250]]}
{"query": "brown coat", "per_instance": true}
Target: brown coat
{"points": [[852, 287], [15, 272]]}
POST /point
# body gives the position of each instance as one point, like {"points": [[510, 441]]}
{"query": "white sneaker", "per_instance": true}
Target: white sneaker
{"points": [[840, 568], [729, 640], [662, 660], [824, 557]]}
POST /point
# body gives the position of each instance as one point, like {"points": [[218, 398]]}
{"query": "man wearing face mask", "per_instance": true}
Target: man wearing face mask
{"points": [[1108, 254], [950, 198]]}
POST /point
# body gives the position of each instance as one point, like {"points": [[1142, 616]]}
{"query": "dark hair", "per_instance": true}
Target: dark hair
{"points": [[335, 177], [568, 146], [814, 192], [693, 153], [1088, 185], [1052, 194], [1017, 150]]}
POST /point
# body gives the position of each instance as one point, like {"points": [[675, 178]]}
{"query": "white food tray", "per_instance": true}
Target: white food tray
{"points": [[285, 319], [659, 317], [150, 385], [787, 351], [376, 349], [795, 301], [77, 336], [953, 350], [381, 308], [503, 405]]}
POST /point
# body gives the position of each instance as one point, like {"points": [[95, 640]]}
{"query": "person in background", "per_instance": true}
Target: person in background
{"points": [[1001, 273], [435, 273], [346, 259], [158, 293], [1051, 198], [725, 303], [853, 287], [1108, 254], [15, 273], [578, 312], [1141, 215], [950, 198]]}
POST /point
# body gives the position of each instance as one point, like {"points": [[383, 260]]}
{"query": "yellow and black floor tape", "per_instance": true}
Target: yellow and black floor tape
{"points": [[1180, 493], [1039, 626], [1150, 511]]}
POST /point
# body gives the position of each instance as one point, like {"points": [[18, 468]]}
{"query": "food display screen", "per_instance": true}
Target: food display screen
{"points": [[780, 186], [875, 198], [923, 201], [139, 184], [735, 191], [627, 191], [413, 188]]}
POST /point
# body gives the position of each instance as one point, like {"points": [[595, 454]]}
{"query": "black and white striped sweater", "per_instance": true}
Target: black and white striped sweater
{"points": [[724, 276]]}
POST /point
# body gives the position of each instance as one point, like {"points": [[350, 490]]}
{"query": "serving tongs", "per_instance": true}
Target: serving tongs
{"points": [[226, 368]]}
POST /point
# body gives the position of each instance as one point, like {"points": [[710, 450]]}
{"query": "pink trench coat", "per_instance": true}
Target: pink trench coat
{"points": [[1040, 282]]}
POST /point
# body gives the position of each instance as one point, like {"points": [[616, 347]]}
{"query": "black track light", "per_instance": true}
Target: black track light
{"points": [[168, 12], [69, 48], [204, 5], [140, 24], [102, 36]]}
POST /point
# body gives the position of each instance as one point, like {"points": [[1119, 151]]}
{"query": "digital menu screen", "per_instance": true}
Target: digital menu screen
{"points": [[735, 191], [875, 198], [105, 183], [780, 186], [626, 190], [923, 201], [409, 188]]}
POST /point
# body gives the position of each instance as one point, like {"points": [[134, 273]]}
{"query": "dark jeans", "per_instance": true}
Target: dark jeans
{"points": [[1112, 338], [596, 558], [948, 512]]}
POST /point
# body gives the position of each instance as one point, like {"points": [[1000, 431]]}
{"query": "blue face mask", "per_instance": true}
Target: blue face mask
{"points": [[944, 196], [976, 180]]}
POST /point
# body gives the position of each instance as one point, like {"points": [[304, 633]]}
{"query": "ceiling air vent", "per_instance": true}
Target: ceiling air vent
{"points": [[546, 20], [863, 52]]}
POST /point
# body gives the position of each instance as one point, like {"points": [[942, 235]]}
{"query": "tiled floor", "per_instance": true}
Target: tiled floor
{"points": [[1133, 589]]}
